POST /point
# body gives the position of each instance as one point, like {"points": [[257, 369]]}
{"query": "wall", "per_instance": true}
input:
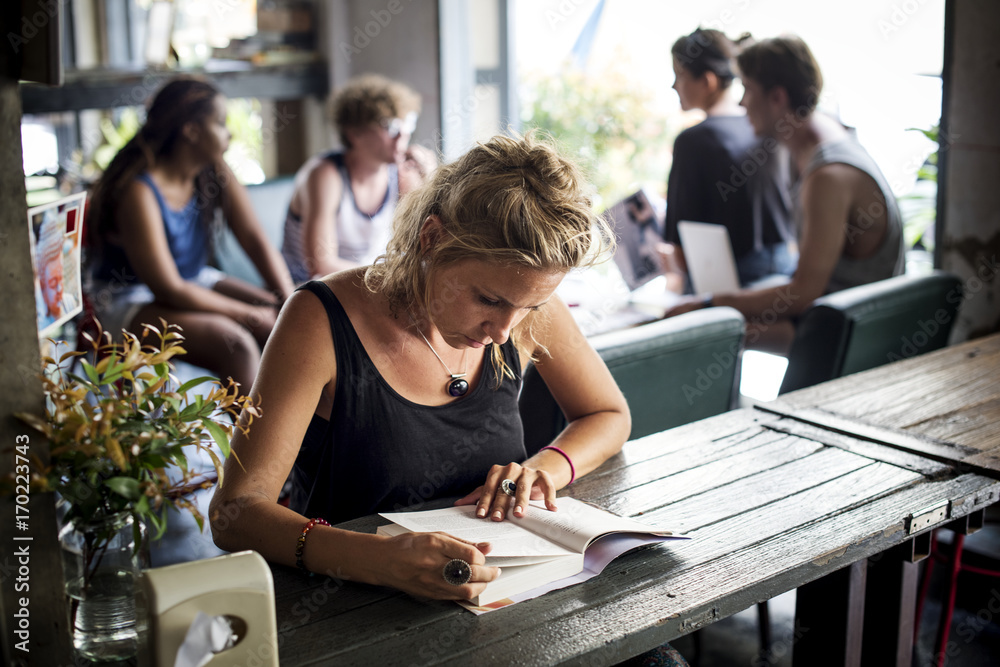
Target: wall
{"points": [[969, 211], [30, 565], [395, 38]]}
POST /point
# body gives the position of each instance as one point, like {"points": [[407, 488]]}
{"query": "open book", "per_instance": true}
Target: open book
{"points": [[540, 552]]}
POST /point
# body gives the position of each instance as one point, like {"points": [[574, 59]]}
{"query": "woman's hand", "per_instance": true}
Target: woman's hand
{"points": [[415, 565], [685, 305], [532, 484]]}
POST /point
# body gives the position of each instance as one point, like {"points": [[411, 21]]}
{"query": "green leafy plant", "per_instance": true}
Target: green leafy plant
{"points": [[919, 207], [116, 429]]}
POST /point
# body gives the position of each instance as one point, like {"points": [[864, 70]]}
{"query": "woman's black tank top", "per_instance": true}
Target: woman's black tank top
{"points": [[380, 452]]}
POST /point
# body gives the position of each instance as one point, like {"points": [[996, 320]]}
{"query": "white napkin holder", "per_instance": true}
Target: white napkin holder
{"points": [[238, 586]]}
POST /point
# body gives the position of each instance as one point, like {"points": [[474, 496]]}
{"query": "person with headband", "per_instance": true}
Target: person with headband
{"points": [[341, 209], [382, 382], [150, 227], [721, 174], [849, 226]]}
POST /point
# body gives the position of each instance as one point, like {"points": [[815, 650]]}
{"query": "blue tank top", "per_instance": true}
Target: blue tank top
{"points": [[380, 452], [187, 238]]}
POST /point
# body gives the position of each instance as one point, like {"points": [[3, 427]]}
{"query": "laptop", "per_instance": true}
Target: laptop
{"points": [[709, 256]]}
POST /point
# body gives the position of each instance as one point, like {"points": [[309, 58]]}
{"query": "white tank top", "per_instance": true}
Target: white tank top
{"points": [[360, 237]]}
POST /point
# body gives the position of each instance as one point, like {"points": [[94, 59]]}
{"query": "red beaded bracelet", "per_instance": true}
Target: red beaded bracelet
{"points": [[572, 469], [302, 542]]}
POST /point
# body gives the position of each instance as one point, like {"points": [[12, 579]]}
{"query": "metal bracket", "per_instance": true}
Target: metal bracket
{"points": [[701, 620], [926, 517]]}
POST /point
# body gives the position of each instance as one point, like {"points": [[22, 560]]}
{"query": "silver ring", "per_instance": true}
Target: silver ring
{"points": [[508, 487], [457, 572]]}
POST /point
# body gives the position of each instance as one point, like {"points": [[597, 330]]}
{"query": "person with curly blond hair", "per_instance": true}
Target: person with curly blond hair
{"points": [[388, 386], [341, 209]]}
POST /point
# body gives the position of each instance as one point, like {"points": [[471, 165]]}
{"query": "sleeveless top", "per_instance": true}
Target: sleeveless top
{"points": [[187, 238], [360, 237], [888, 260], [381, 452], [724, 174]]}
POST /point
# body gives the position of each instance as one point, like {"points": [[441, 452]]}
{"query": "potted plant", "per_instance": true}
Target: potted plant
{"points": [[120, 433]]}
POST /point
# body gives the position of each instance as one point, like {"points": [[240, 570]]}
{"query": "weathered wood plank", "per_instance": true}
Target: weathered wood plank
{"points": [[935, 395], [739, 532], [860, 433], [601, 483], [760, 489], [629, 608], [673, 488], [871, 450], [815, 504]]}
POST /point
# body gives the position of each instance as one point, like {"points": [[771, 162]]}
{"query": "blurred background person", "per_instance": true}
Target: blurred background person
{"points": [[341, 210], [723, 173], [850, 229], [150, 229]]}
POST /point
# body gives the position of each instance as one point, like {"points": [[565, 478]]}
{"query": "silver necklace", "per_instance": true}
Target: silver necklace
{"points": [[457, 385]]}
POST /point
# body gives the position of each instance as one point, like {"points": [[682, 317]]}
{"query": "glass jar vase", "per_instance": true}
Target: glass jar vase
{"points": [[102, 559]]}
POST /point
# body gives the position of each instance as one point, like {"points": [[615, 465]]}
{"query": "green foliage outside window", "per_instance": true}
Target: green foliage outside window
{"points": [[608, 123]]}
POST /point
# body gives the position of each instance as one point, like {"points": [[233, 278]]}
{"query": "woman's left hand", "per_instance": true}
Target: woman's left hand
{"points": [[532, 484]]}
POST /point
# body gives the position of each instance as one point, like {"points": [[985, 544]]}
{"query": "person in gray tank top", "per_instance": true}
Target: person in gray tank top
{"points": [[386, 387], [849, 227]]}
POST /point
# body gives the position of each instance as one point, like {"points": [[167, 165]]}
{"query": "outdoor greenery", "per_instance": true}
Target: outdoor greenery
{"points": [[607, 122], [244, 157], [919, 207]]}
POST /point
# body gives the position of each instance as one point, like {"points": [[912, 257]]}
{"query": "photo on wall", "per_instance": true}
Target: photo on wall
{"points": [[56, 230]]}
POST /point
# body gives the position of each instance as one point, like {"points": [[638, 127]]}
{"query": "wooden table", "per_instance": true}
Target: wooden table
{"points": [[772, 502]]}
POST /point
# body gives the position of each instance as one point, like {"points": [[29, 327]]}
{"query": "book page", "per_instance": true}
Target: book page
{"points": [[598, 556], [508, 538], [576, 523]]}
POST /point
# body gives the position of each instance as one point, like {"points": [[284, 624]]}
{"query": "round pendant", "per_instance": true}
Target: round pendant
{"points": [[458, 387]]}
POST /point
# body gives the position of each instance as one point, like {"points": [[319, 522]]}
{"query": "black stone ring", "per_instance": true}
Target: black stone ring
{"points": [[457, 572], [508, 487]]}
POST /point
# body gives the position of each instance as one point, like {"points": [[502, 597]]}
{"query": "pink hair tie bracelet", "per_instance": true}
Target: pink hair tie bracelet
{"points": [[572, 468]]}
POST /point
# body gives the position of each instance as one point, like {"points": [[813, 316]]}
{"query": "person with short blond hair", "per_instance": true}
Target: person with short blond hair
{"points": [[341, 208]]}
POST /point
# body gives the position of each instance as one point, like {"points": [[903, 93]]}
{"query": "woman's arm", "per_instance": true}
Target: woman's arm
{"points": [[142, 235], [242, 219], [245, 514], [599, 420], [319, 202]]}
